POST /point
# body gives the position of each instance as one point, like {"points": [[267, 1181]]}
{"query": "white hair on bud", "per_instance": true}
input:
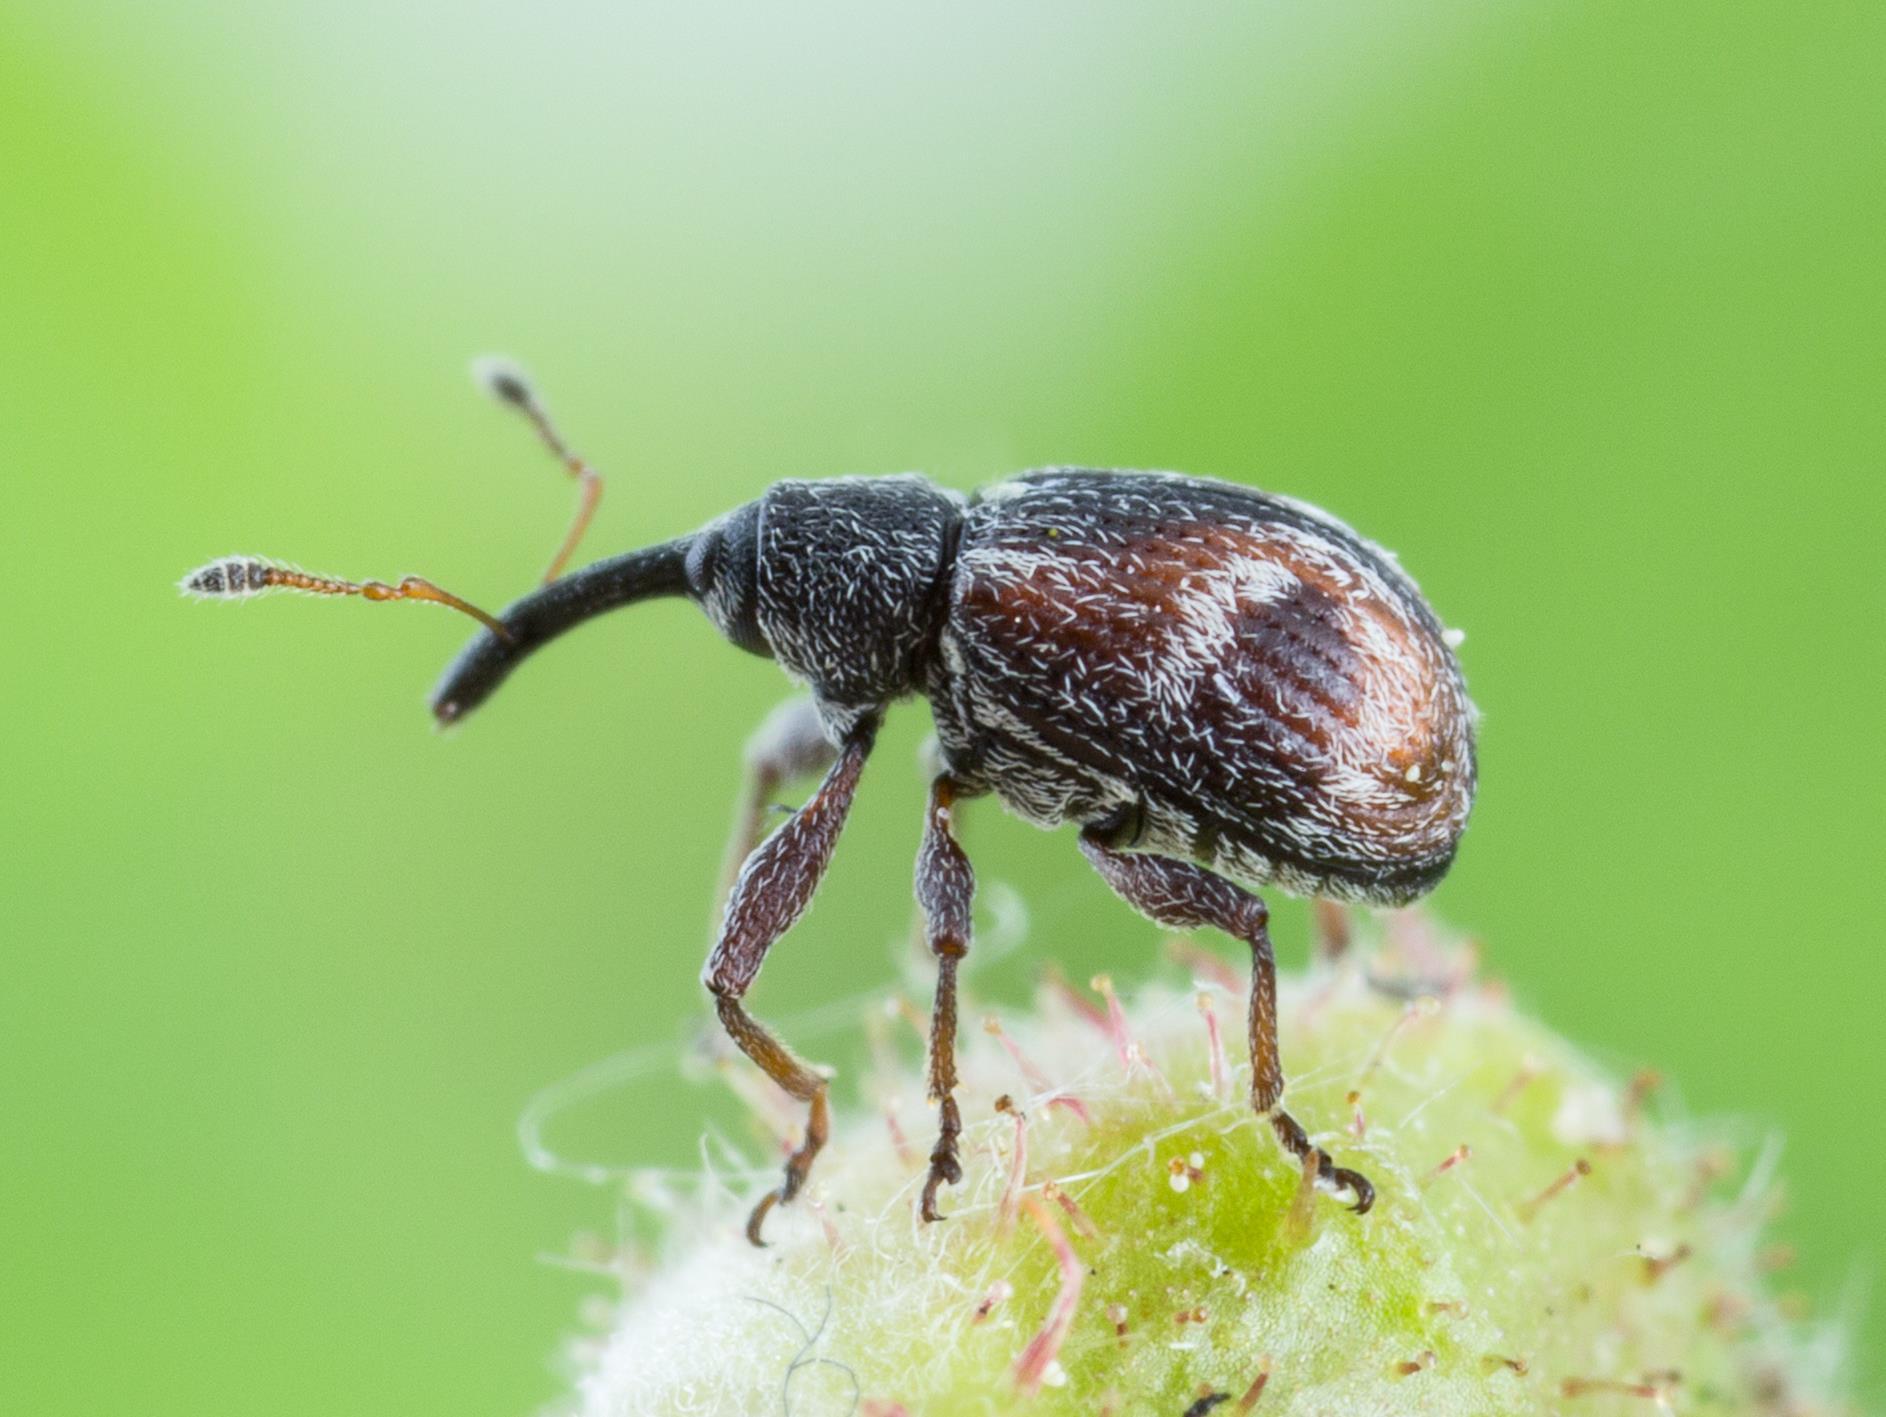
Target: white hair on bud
{"points": [[1181, 1197]]}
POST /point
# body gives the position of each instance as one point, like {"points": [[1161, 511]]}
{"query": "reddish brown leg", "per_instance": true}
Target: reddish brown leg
{"points": [[1181, 896], [945, 887], [772, 892], [789, 744]]}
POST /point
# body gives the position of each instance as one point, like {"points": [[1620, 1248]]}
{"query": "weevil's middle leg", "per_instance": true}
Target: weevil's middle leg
{"points": [[773, 890], [946, 886], [1182, 896]]}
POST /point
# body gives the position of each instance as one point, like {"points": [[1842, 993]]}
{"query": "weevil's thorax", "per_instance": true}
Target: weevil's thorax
{"points": [[843, 581]]}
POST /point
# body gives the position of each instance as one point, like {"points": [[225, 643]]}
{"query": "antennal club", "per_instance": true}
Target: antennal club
{"points": [[508, 384], [240, 577]]}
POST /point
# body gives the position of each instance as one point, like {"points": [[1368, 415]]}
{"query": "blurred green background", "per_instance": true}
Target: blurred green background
{"points": [[1579, 307]]}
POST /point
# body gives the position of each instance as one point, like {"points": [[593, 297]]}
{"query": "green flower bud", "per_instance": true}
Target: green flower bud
{"points": [[1129, 1239]]}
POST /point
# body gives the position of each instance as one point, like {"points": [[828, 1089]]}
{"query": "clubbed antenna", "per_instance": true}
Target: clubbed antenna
{"points": [[239, 577], [508, 384]]}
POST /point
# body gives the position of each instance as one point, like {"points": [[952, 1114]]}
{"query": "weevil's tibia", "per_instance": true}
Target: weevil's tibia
{"points": [[507, 383], [238, 577], [946, 886]]}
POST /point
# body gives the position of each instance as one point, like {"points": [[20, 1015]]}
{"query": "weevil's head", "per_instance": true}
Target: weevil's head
{"points": [[843, 581]]}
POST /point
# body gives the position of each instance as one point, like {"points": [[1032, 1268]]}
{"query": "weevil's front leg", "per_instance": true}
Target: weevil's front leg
{"points": [[945, 887], [789, 744], [773, 890], [1182, 896]]}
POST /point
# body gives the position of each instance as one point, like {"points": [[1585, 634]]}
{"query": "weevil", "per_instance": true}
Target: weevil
{"points": [[1221, 688]]}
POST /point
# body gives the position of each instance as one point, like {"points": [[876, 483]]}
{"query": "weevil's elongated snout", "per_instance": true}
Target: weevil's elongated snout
{"points": [[546, 613]]}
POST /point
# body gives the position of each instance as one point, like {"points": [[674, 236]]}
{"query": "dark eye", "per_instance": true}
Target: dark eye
{"points": [[723, 576]]}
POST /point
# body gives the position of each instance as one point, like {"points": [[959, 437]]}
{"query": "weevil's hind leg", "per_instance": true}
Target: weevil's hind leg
{"points": [[1181, 896], [789, 744], [946, 886], [773, 890]]}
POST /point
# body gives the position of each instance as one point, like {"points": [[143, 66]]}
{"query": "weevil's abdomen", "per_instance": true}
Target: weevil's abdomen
{"points": [[1210, 672]]}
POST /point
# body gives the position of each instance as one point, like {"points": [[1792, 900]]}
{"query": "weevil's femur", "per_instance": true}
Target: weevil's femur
{"points": [[546, 613]]}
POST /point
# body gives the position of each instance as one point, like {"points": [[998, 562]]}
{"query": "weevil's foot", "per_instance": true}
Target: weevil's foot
{"points": [[944, 1169], [1357, 1185], [798, 1166], [755, 1220], [1297, 1142], [795, 1178]]}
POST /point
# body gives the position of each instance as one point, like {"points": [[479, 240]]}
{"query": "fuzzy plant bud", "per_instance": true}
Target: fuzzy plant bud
{"points": [[1128, 1239]]}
